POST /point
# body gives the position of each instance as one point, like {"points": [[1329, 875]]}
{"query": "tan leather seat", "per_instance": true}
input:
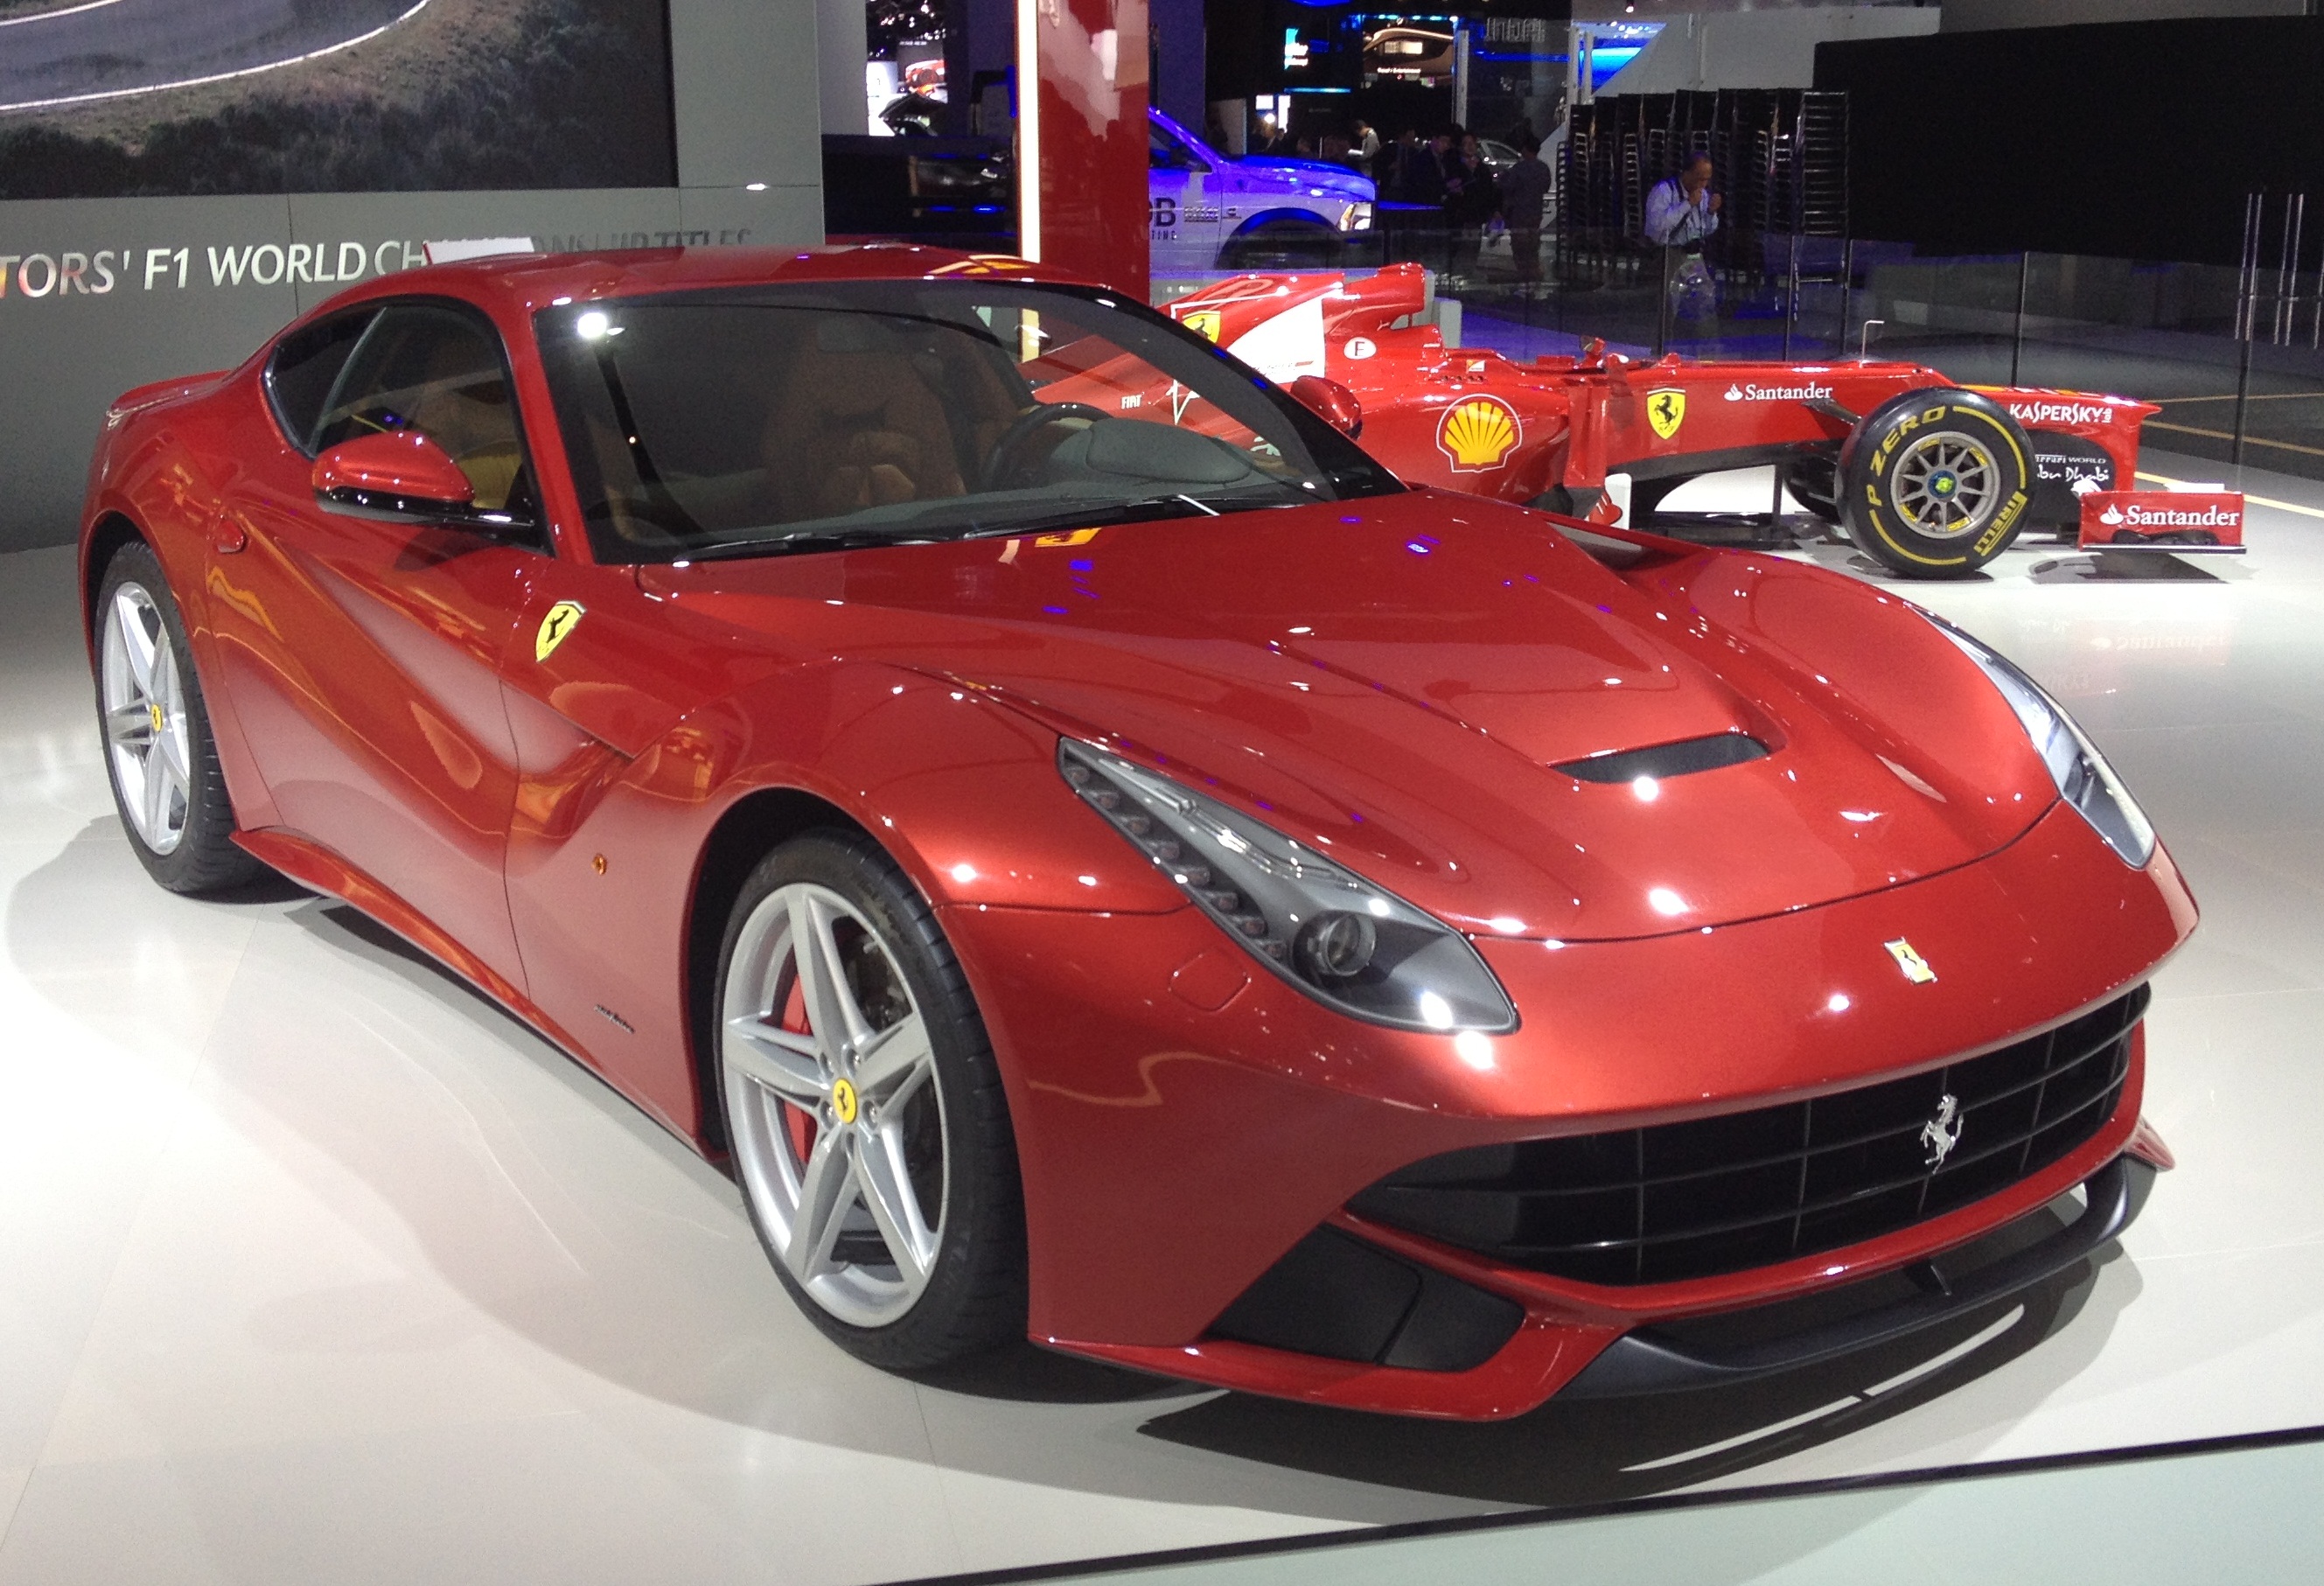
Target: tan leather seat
{"points": [[856, 429]]}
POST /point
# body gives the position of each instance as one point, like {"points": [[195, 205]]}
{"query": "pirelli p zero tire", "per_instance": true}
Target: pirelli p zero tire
{"points": [[864, 1108], [1935, 483], [159, 755]]}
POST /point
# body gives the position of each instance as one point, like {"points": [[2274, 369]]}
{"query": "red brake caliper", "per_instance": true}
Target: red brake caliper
{"points": [[798, 1121]]}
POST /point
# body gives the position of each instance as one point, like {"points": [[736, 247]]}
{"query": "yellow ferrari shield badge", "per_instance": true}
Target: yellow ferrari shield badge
{"points": [[556, 628], [1666, 410], [1908, 959], [845, 1103], [1202, 321]]}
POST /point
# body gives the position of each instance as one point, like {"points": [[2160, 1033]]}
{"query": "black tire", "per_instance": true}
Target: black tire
{"points": [[1935, 483], [205, 860], [1815, 484], [1282, 246], [975, 1297]]}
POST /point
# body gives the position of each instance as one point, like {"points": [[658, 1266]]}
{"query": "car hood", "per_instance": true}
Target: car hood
{"points": [[1396, 681], [1277, 170]]}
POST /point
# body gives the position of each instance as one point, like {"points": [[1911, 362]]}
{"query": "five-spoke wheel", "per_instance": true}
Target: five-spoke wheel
{"points": [[158, 750], [864, 1109], [144, 706]]}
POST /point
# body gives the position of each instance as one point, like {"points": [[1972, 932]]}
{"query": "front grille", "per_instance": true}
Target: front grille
{"points": [[1747, 1189]]}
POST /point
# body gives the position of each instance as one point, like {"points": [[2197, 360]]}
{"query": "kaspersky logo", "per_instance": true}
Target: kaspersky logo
{"points": [[2062, 412], [1810, 393], [1478, 434]]}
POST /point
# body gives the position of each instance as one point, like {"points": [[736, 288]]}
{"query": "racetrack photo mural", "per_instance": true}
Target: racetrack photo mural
{"points": [[121, 98]]}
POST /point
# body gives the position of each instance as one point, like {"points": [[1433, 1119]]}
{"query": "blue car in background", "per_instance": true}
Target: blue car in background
{"points": [[1209, 211]]}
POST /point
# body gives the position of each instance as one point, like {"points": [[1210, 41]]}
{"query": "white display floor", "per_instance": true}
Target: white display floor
{"points": [[314, 1267]]}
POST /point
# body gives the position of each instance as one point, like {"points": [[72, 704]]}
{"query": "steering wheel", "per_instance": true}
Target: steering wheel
{"points": [[1022, 427]]}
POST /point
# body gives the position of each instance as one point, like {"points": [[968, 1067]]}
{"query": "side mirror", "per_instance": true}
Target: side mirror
{"points": [[1330, 402], [401, 476]]}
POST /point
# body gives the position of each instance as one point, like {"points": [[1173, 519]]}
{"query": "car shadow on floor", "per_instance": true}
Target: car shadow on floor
{"points": [[727, 1344]]}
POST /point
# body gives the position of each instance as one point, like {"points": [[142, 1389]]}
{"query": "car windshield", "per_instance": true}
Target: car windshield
{"points": [[778, 420]]}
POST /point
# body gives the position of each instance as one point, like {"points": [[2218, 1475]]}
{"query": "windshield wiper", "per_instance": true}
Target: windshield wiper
{"points": [[1094, 515], [723, 551]]}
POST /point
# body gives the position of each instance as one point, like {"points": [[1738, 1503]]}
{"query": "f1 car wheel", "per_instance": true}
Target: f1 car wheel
{"points": [[159, 755], [864, 1108], [1815, 484], [1936, 484]]}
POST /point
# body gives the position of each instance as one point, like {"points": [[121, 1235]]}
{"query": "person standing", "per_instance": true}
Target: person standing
{"points": [[1525, 192], [1469, 199], [1366, 149], [1682, 210]]}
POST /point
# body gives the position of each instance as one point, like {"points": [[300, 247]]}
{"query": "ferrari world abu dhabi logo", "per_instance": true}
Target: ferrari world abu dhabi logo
{"points": [[1941, 1133], [1478, 434], [1666, 410]]}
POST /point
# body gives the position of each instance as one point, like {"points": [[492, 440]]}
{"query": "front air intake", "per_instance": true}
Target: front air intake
{"points": [[1681, 1201]]}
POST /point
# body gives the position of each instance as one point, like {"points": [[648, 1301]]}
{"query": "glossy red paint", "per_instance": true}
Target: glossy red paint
{"points": [[1393, 680], [1474, 422], [404, 464]]}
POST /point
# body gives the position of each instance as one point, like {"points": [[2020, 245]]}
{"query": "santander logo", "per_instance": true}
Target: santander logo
{"points": [[2142, 517], [1810, 393]]}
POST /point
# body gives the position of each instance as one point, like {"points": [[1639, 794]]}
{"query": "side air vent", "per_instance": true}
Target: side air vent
{"points": [[1667, 760]]}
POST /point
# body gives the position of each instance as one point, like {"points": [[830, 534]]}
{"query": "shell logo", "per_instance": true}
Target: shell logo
{"points": [[1478, 434]]}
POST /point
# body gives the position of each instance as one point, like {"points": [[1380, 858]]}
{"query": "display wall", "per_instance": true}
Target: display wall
{"points": [[200, 258], [2131, 140]]}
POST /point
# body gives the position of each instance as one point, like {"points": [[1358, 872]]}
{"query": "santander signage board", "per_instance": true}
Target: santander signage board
{"points": [[2163, 520]]}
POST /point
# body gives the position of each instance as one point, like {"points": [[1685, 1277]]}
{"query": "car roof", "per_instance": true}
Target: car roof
{"points": [[531, 280]]}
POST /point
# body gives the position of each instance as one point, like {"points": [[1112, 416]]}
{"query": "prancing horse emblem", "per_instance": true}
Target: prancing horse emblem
{"points": [[1941, 1133]]}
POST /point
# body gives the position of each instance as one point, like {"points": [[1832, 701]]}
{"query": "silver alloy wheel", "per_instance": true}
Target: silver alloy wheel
{"points": [[834, 1105], [1945, 486], [145, 727]]}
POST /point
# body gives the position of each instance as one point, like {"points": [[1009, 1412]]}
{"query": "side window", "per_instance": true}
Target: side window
{"points": [[1165, 152], [307, 365], [439, 370]]}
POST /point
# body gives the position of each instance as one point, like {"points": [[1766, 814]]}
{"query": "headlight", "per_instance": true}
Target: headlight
{"points": [[1346, 943], [2084, 779], [1359, 217]]}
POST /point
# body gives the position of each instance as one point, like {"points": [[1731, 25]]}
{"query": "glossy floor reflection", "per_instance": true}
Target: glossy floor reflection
{"points": [[314, 1266]]}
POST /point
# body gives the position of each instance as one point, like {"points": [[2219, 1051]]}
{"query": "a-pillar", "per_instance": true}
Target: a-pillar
{"points": [[1081, 127]]}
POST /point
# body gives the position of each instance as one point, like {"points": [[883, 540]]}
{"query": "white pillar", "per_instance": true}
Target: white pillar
{"points": [[840, 45]]}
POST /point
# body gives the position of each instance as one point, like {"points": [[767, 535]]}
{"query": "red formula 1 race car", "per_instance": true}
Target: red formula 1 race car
{"points": [[1138, 875], [1931, 479]]}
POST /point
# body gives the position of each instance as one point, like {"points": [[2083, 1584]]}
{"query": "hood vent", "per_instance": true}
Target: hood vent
{"points": [[1665, 761]]}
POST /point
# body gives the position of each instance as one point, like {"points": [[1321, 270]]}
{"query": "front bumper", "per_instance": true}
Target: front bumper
{"points": [[1184, 1121]]}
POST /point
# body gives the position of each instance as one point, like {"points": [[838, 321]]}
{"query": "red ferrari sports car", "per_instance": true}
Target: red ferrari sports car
{"points": [[1137, 875], [1933, 480]]}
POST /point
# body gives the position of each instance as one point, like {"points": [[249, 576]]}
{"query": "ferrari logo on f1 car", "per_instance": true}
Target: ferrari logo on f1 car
{"points": [[1908, 959], [1666, 410], [1203, 322], [556, 628], [1477, 435], [1941, 1133]]}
